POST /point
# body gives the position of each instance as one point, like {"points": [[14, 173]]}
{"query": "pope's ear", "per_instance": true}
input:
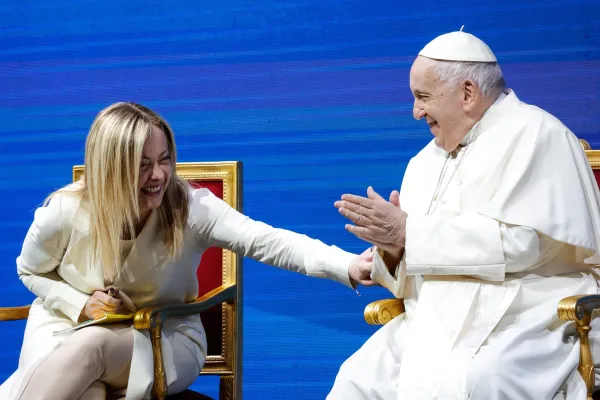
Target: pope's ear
{"points": [[470, 94]]}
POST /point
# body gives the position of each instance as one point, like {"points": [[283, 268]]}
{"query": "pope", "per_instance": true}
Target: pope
{"points": [[496, 221]]}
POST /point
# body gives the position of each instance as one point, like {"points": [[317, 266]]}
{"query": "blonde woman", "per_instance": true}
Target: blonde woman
{"points": [[133, 224]]}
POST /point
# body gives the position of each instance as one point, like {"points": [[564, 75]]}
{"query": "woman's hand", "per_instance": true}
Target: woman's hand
{"points": [[360, 268], [98, 304]]}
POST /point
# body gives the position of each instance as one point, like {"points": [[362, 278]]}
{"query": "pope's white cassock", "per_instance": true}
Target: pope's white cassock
{"points": [[491, 248]]}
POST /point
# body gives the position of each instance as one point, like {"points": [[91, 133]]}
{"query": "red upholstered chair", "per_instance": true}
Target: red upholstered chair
{"points": [[580, 308], [219, 298], [593, 157], [574, 308]]}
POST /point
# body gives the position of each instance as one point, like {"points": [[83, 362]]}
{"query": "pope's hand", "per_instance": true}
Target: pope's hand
{"points": [[360, 268], [377, 221]]}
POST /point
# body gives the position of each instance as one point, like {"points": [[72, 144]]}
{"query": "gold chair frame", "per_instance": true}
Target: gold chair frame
{"points": [[574, 308], [228, 365]]}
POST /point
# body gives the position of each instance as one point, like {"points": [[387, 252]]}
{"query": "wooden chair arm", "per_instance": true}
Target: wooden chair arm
{"points": [[152, 318], [579, 309], [381, 312], [14, 313]]}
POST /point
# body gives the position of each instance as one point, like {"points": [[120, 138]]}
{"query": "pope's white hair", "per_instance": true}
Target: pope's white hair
{"points": [[487, 76]]}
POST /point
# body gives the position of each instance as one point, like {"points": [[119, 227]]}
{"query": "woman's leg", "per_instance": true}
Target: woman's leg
{"points": [[183, 361], [91, 354], [96, 391]]}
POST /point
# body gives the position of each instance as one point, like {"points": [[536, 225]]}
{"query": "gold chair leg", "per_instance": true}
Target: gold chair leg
{"points": [[159, 389], [579, 308], [227, 388], [586, 365]]}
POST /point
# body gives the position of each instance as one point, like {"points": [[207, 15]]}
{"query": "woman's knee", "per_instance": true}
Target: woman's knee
{"points": [[96, 344], [92, 337], [186, 360]]}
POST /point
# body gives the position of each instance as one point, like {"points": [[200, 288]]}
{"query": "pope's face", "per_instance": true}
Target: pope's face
{"points": [[441, 107]]}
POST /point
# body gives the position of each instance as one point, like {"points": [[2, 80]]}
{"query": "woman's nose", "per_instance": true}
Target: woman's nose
{"points": [[157, 172]]}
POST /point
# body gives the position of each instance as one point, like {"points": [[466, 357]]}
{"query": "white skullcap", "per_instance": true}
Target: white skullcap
{"points": [[458, 46]]}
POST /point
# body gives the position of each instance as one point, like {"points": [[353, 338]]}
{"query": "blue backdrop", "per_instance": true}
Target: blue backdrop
{"points": [[313, 97]]}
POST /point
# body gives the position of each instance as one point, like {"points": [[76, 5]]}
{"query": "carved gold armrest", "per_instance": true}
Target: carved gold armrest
{"points": [[14, 313], [152, 318], [579, 309], [381, 312]]}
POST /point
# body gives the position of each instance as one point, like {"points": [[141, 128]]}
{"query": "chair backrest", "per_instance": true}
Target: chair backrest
{"points": [[593, 157], [218, 267]]}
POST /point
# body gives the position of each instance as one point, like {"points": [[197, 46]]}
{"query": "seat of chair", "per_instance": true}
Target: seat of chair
{"points": [[189, 395]]}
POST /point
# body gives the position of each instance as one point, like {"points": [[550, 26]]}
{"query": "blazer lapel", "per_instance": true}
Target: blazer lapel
{"points": [[147, 252]]}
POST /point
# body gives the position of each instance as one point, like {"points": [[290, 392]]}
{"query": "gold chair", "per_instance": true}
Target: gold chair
{"points": [[574, 308], [219, 299]]}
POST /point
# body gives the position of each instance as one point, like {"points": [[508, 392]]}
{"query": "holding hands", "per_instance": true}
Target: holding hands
{"points": [[377, 221]]}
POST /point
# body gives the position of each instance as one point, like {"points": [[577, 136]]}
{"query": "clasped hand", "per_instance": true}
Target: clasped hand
{"points": [[100, 303], [377, 221]]}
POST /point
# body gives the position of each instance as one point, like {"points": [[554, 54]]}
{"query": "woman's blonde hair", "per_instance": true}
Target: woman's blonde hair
{"points": [[109, 190]]}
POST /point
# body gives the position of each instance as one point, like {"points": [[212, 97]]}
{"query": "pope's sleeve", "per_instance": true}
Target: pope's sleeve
{"points": [[470, 244], [215, 223], [43, 248]]}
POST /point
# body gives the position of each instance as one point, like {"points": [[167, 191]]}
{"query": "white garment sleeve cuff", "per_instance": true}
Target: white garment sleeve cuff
{"points": [[381, 274], [66, 299], [463, 245], [338, 265]]}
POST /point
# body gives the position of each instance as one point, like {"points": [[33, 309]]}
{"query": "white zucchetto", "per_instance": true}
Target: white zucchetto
{"points": [[458, 46]]}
